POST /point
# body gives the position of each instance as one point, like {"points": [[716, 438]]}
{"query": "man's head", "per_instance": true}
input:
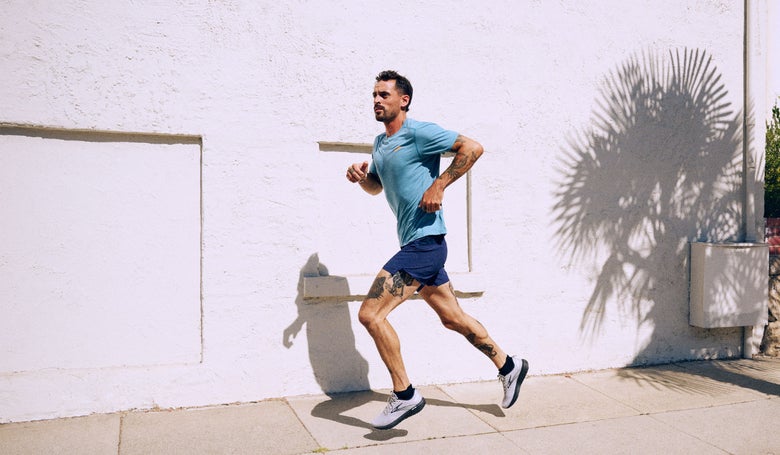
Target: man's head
{"points": [[392, 94], [402, 84]]}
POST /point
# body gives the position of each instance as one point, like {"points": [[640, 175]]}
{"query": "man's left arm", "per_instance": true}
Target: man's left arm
{"points": [[467, 152]]}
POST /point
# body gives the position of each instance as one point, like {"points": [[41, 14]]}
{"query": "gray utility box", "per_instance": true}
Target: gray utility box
{"points": [[729, 284]]}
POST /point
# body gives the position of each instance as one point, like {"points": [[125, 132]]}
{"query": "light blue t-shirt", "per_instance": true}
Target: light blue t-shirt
{"points": [[407, 163]]}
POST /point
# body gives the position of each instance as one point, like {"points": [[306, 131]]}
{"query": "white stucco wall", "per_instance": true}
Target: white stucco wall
{"points": [[599, 169]]}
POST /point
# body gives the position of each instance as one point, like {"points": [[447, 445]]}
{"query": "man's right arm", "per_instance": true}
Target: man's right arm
{"points": [[358, 173], [371, 184]]}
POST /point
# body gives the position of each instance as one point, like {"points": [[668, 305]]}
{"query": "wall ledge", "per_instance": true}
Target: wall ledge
{"points": [[354, 287]]}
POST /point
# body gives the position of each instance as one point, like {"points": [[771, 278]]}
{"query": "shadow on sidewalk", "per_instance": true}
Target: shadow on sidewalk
{"points": [[341, 403], [710, 378]]}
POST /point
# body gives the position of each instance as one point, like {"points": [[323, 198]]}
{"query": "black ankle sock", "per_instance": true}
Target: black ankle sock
{"points": [[509, 365], [406, 394]]}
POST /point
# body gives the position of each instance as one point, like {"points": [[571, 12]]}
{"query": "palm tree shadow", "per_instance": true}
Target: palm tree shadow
{"points": [[710, 378], [660, 167]]}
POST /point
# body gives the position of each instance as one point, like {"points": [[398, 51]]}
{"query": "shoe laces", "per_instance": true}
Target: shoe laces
{"points": [[392, 403], [504, 380]]}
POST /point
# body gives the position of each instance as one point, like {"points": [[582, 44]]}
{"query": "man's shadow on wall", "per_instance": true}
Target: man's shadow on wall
{"points": [[660, 167], [337, 365]]}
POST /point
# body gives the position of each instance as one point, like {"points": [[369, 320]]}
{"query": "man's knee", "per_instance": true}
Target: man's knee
{"points": [[367, 316], [452, 320], [371, 315]]}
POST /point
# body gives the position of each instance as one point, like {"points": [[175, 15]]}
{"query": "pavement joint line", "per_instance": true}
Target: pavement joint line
{"points": [[431, 438], [121, 428], [292, 409]]}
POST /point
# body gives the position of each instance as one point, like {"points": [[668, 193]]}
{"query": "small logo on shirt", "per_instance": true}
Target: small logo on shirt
{"points": [[396, 149]]}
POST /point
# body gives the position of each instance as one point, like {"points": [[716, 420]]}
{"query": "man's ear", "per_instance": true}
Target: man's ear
{"points": [[404, 101]]}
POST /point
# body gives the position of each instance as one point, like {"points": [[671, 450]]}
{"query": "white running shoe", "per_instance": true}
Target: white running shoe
{"points": [[397, 410], [512, 381]]}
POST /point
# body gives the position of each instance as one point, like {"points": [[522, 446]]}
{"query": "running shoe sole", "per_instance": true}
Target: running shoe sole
{"points": [[403, 416], [519, 382]]}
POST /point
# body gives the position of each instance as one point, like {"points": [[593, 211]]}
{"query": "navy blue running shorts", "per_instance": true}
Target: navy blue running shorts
{"points": [[423, 259]]}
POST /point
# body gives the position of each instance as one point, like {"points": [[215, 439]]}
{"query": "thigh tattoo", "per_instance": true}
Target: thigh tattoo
{"points": [[376, 289], [400, 280], [396, 286]]}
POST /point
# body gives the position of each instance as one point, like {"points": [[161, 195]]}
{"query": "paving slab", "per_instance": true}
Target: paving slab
{"points": [[93, 435], [543, 401], [623, 435], [343, 420], [745, 428], [265, 427], [664, 388], [493, 443]]}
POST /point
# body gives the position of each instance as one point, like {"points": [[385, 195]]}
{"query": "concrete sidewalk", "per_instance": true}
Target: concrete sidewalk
{"points": [[707, 407]]}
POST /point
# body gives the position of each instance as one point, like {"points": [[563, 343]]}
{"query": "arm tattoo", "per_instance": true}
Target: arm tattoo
{"points": [[484, 347], [456, 168], [462, 160]]}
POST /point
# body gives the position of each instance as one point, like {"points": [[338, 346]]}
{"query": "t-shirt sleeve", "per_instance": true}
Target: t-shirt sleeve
{"points": [[373, 170], [432, 139], [372, 167]]}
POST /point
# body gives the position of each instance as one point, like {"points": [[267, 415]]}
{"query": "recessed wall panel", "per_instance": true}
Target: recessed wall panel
{"points": [[99, 252]]}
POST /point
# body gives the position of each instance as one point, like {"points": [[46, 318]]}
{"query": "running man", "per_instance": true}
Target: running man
{"points": [[405, 164]]}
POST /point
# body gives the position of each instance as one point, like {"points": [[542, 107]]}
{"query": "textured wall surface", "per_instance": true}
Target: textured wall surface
{"points": [[613, 139]]}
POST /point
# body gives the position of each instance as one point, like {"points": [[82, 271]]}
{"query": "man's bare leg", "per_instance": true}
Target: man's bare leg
{"points": [[511, 370], [442, 300], [387, 292]]}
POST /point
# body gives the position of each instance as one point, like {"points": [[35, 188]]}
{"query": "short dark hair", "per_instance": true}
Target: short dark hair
{"points": [[402, 84]]}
